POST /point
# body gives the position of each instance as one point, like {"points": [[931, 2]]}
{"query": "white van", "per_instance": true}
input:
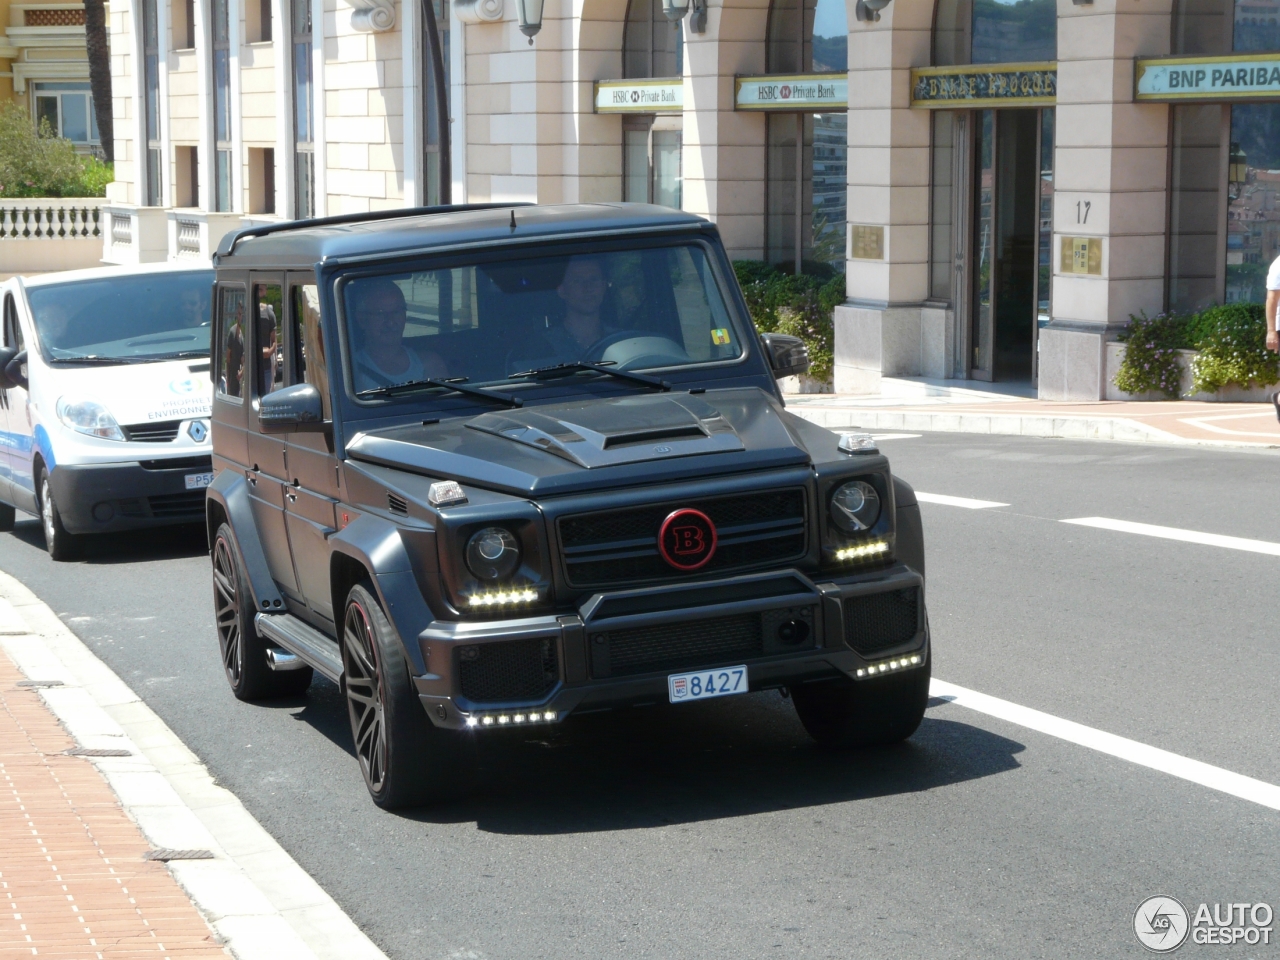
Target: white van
{"points": [[105, 400]]}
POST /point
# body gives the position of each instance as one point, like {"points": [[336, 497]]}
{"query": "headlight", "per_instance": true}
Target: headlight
{"points": [[855, 506], [493, 553], [90, 418]]}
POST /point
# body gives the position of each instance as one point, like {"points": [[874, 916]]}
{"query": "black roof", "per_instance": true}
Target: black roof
{"points": [[408, 231]]}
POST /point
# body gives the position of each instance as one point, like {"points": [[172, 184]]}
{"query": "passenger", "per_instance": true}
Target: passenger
{"points": [[193, 310], [382, 358]]}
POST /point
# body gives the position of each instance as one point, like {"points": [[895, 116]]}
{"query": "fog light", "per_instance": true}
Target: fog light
{"points": [[889, 666], [472, 722], [873, 549], [499, 598], [487, 721], [102, 512]]}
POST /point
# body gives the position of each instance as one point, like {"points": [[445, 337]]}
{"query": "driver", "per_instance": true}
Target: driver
{"points": [[583, 291], [382, 358]]}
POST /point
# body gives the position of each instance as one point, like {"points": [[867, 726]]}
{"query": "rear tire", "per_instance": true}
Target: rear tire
{"points": [[60, 544], [244, 653], [845, 713], [8, 516], [404, 758]]}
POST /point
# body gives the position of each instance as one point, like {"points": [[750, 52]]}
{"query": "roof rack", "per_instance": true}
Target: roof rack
{"points": [[270, 228]]}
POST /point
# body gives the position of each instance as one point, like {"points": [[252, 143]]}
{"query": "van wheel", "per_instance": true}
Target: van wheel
{"points": [[7, 517], [60, 544], [405, 759], [244, 653], [846, 713]]}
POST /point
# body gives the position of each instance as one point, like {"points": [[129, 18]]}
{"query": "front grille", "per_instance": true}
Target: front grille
{"points": [[508, 670], [880, 621], [673, 646], [162, 431], [621, 546], [200, 464], [177, 504]]}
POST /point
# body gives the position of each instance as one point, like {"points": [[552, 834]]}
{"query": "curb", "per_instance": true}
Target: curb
{"points": [[252, 893], [1016, 425]]}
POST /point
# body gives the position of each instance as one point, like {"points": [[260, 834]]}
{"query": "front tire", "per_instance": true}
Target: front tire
{"points": [[60, 544], [404, 758], [844, 713], [244, 653], [8, 517]]}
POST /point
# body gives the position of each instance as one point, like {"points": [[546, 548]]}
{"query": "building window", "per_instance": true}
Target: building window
{"points": [[1224, 225], [807, 154], [151, 105], [995, 31], [186, 176], [653, 46], [436, 138], [304, 167], [262, 180], [257, 21], [184, 24], [223, 150], [68, 109]]}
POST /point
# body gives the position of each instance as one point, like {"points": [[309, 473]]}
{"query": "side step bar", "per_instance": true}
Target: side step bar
{"points": [[302, 640]]}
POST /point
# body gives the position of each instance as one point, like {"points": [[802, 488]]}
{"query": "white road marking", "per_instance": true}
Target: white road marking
{"points": [[896, 436], [1206, 775], [957, 501], [1174, 533]]}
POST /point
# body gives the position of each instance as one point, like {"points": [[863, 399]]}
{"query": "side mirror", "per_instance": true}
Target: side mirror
{"points": [[292, 410], [788, 355], [7, 356], [13, 368]]}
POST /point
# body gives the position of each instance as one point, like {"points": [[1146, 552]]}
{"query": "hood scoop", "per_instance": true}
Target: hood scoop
{"points": [[627, 430]]}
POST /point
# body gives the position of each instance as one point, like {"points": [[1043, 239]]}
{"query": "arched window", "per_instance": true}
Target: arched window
{"points": [[652, 46], [1231, 148], [995, 31], [807, 187]]}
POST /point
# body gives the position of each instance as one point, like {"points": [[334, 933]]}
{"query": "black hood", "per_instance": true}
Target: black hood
{"points": [[592, 443]]}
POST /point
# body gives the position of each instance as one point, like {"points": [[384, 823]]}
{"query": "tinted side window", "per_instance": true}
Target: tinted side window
{"points": [[308, 342], [12, 329], [231, 360], [268, 324]]}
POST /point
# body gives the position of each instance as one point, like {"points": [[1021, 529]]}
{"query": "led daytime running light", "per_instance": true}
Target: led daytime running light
{"points": [[890, 666], [872, 549], [517, 718], [498, 598]]}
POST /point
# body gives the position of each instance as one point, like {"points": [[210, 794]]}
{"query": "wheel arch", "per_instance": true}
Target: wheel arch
{"points": [[228, 498], [909, 533]]}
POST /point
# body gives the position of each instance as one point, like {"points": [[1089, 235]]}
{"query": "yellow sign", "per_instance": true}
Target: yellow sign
{"points": [[720, 337], [1082, 255], [867, 242], [981, 85]]}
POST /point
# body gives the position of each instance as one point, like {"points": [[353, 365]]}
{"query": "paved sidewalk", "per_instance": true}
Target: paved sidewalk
{"points": [[73, 881], [917, 404]]}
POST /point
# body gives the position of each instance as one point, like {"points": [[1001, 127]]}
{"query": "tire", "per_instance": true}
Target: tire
{"points": [[244, 653], [60, 544], [845, 713], [404, 758], [8, 517]]}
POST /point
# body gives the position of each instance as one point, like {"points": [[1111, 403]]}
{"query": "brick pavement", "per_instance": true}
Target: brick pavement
{"points": [[73, 883]]}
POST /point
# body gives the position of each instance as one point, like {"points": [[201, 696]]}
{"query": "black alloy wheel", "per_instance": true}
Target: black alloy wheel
{"points": [[60, 544], [844, 713], [244, 653], [404, 758]]}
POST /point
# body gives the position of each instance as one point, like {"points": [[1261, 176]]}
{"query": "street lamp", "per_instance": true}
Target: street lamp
{"points": [[530, 14], [869, 10], [1237, 171]]}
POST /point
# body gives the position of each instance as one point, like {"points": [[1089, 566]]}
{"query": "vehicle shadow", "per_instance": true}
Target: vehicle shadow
{"points": [[160, 543]]}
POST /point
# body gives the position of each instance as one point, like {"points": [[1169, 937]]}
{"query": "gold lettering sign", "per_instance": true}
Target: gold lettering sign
{"points": [[1081, 255], [867, 242], [1005, 84]]}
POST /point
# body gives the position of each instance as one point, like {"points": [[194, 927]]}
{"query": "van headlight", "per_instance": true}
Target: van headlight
{"points": [[493, 553], [855, 506], [90, 418]]}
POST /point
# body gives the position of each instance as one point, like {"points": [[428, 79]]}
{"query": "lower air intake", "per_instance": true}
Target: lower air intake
{"points": [[508, 671], [880, 621], [674, 646]]}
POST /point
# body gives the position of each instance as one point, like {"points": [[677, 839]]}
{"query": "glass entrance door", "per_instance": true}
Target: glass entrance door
{"points": [[1013, 199]]}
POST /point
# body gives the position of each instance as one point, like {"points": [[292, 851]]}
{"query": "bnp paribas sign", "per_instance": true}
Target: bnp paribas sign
{"points": [[1241, 76]]}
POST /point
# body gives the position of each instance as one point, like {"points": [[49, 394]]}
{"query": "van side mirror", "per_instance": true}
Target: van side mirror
{"points": [[294, 409], [788, 355], [13, 368]]}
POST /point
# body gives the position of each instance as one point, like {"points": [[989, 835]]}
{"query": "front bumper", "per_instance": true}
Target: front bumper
{"points": [[620, 647], [106, 497]]}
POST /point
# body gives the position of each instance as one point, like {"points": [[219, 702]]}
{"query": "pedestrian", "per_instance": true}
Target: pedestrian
{"points": [[1273, 300]]}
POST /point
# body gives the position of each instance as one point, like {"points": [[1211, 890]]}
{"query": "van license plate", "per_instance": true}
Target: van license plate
{"points": [[198, 481], [683, 687]]}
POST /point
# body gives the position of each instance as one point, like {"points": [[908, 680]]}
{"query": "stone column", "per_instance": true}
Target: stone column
{"points": [[1110, 160], [878, 331]]}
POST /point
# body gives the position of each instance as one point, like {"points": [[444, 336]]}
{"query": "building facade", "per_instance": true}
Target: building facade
{"points": [[44, 66], [1002, 182]]}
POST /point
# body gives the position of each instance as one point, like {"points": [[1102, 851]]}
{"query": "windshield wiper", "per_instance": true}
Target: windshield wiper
{"points": [[95, 358], [176, 355], [568, 369], [457, 387]]}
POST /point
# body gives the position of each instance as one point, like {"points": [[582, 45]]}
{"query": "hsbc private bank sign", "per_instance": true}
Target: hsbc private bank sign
{"points": [[664, 95]]}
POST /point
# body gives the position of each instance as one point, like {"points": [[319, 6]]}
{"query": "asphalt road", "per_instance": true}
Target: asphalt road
{"points": [[717, 830]]}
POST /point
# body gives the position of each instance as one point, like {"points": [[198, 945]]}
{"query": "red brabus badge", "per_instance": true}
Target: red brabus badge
{"points": [[687, 539]]}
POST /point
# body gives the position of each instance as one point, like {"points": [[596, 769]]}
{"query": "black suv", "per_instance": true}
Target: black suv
{"points": [[489, 467]]}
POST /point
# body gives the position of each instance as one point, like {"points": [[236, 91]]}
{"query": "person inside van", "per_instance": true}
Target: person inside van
{"points": [[382, 358]]}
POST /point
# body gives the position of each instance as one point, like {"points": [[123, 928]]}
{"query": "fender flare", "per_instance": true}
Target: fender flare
{"points": [[909, 539], [231, 491], [375, 544]]}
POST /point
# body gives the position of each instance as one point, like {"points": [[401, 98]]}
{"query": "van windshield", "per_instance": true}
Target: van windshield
{"points": [[126, 319], [501, 321]]}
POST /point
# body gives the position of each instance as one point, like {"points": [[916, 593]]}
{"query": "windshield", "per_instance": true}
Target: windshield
{"points": [[626, 310], [130, 318]]}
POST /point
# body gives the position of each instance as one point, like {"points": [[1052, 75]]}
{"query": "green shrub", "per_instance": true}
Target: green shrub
{"points": [[1151, 363], [800, 306], [1232, 344], [37, 163]]}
